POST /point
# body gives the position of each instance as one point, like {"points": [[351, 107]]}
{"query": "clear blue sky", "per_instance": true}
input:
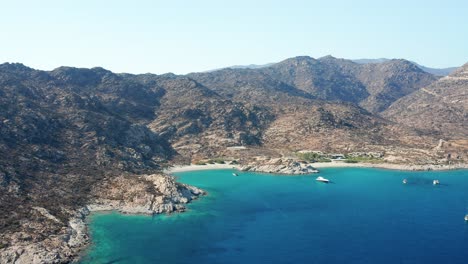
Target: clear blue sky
{"points": [[197, 35]]}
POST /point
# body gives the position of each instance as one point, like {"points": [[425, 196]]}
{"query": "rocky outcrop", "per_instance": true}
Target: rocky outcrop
{"points": [[62, 247], [146, 194], [280, 166]]}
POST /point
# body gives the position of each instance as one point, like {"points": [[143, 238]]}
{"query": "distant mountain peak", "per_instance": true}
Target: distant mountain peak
{"points": [[77, 69], [81, 76], [15, 66], [304, 59], [297, 61], [435, 71], [403, 63], [328, 57]]}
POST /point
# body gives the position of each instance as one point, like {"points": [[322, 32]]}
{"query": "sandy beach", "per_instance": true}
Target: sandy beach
{"points": [[192, 167], [319, 165], [389, 166]]}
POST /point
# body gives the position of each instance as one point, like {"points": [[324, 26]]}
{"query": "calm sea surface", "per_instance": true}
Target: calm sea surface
{"points": [[363, 216]]}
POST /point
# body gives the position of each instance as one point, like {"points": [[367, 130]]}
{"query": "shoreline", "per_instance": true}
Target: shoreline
{"points": [[77, 233], [143, 195], [320, 165], [193, 167], [82, 218], [403, 167]]}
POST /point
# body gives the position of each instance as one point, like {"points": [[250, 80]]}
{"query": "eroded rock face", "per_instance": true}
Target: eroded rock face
{"points": [[145, 194], [61, 247], [148, 194], [279, 165]]}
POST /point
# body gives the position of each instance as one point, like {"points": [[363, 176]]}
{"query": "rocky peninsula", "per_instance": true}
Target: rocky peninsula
{"points": [[145, 194]]}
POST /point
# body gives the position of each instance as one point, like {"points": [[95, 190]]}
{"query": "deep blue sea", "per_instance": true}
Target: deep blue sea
{"points": [[363, 216]]}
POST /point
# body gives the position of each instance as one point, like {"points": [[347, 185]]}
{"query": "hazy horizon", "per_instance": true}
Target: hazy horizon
{"points": [[246, 65]]}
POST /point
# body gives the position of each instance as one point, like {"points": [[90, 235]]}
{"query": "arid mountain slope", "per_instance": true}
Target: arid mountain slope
{"points": [[71, 127], [63, 131], [434, 71], [326, 78], [66, 131], [197, 120], [440, 108], [389, 81], [252, 86], [297, 80]]}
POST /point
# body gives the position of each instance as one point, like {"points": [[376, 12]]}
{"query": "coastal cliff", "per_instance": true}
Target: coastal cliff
{"points": [[145, 194], [148, 194]]}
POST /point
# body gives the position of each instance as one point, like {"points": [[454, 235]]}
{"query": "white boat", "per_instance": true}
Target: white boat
{"points": [[466, 217], [235, 174], [322, 179], [435, 182], [405, 181]]}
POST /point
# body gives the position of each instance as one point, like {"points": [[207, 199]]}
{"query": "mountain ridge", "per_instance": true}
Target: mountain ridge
{"points": [[436, 71], [444, 103], [431, 70], [373, 87]]}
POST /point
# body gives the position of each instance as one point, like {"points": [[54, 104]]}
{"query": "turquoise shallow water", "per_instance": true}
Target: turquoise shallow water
{"points": [[363, 216]]}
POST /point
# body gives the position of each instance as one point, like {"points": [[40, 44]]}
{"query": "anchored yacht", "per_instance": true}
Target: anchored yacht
{"points": [[322, 179]]}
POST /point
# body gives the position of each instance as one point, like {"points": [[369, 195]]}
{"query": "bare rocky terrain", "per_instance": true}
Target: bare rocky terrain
{"points": [[74, 140], [440, 108], [52, 241], [373, 86], [279, 165]]}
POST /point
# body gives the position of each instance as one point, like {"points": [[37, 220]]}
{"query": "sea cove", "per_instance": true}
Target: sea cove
{"points": [[364, 216]]}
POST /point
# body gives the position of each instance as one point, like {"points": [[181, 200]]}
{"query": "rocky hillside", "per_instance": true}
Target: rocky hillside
{"points": [[440, 108], [51, 240], [253, 86], [324, 98], [199, 121], [434, 71], [69, 128], [337, 101], [389, 81], [65, 130], [372, 86], [326, 78]]}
